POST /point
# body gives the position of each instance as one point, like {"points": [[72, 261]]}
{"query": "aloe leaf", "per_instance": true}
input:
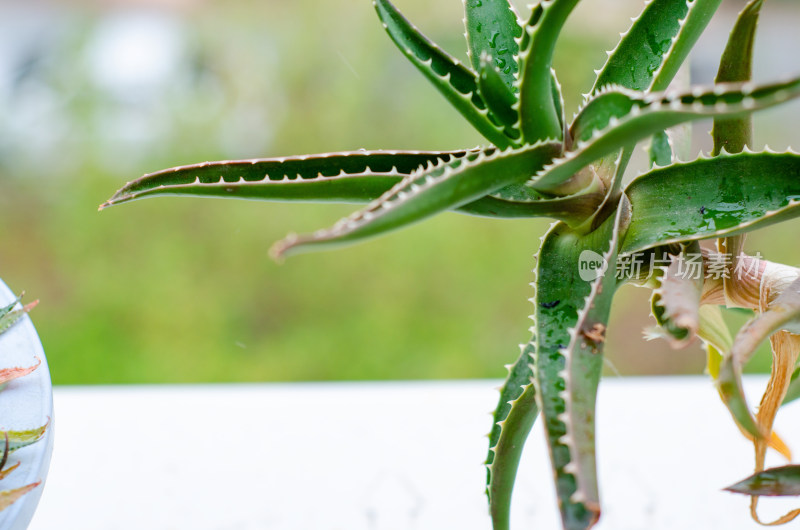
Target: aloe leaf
{"points": [[505, 203], [615, 105], [446, 186], [691, 27], [492, 29], [712, 197], [676, 302], [499, 97], [649, 54], [736, 65], [572, 304], [9, 497], [513, 419], [648, 57], [355, 176], [736, 134], [660, 150], [454, 81], [618, 117], [784, 310], [584, 365], [537, 109], [715, 335], [555, 86], [558, 101], [730, 390], [717, 338], [774, 482]]}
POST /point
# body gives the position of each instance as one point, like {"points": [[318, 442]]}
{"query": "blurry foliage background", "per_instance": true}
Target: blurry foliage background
{"points": [[94, 94]]}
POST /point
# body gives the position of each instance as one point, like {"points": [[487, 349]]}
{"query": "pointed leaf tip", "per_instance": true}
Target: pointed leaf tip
{"points": [[775, 482]]}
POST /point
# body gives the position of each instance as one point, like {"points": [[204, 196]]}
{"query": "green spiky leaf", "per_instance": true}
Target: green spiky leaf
{"points": [[619, 117], [537, 108], [736, 65], [652, 50], [428, 192], [648, 57], [492, 29], [513, 419], [498, 96], [676, 302], [505, 203], [713, 197], [454, 81], [356, 176], [660, 151], [571, 312], [347, 177]]}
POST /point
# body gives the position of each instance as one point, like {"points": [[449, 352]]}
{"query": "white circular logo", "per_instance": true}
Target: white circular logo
{"points": [[591, 265]]}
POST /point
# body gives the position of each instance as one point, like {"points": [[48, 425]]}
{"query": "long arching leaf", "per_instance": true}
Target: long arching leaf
{"points": [[428, 192], [500, 99], [454, 81], [649, 53], [712, 197], [736, 65], [537, 109], [784, 311], [648, 57], [619, 117], [355, 176], [513, 419], [575, 286], [675, 303], [736, 134]]}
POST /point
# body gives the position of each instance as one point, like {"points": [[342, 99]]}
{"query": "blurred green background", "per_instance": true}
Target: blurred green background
{"points": [[94, 94]]}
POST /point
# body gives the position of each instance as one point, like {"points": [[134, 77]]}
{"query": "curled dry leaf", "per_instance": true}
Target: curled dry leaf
{"points": [[785, 352], [779, 306]]}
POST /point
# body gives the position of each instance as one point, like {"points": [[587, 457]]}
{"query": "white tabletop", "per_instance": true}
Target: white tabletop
{"points": [[379, 456]]}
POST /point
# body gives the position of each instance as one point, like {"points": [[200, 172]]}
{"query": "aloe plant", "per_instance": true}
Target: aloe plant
{"points": [[10, 441], [609, 231]]}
